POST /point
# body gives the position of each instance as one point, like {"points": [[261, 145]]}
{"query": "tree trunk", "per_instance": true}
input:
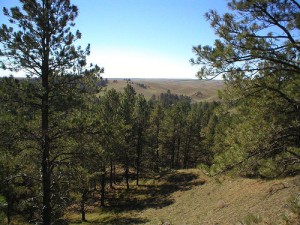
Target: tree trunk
{"points": [[126, 168], [46, 167], [82, 208], [82, 205], [138, 169], [157, 148], [8, 214], [127, 176], [114, 175], [187, 151], [138, 158], [178, 153], [111, 175], [10, 202], [46, 173], [173, 152], [103, 183], [157, 160], [157, 155], [173, 148]]}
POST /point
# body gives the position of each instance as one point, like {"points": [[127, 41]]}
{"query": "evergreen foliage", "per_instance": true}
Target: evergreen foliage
{"points": [[257, 54], [62, 144], [40, 42]]}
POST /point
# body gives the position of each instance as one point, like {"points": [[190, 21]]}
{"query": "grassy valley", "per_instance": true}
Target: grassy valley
{"points": [[198, 90]]}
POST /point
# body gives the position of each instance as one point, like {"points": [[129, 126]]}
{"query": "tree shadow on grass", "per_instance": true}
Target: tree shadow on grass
{"points": [[151, 196], [122, 205], [126, 220], [116, 220]]}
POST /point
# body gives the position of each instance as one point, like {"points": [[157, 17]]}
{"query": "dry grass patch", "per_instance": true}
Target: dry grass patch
{"points": [[127, 206], [229, 201], [198, 90], [188, 197]]}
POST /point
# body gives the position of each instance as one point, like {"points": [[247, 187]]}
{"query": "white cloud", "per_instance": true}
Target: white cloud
{"points": [[125, 63]]}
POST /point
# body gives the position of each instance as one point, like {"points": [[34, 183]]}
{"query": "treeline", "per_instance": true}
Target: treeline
{"points": [[95, 142]]}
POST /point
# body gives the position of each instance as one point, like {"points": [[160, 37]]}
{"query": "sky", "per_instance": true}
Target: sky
{"points": [[142, 38]]}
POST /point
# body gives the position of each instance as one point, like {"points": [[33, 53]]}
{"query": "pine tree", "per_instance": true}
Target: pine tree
{"points": [[257, 54], [154, 130], [40, 43], [127, 108], [141, 116]]}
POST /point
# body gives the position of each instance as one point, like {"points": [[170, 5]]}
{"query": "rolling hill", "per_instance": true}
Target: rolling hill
{"points": [[198, 90]]}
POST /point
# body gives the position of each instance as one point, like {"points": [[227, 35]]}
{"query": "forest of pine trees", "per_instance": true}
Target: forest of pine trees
{"points": [[118, 130], [63, 139]]}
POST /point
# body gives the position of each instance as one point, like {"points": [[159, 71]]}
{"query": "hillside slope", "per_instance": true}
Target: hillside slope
{"points": [[231, 201], [198, 90], [189, 197]]}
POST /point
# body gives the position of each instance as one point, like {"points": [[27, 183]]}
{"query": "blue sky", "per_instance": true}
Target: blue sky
{"points": [[143, 38]]}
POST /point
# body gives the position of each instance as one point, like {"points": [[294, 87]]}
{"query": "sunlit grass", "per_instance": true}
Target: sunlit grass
{"points": [[190, 197]]}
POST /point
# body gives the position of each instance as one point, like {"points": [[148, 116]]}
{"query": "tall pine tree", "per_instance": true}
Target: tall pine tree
{"points": [[40, 43], [257, 54]]}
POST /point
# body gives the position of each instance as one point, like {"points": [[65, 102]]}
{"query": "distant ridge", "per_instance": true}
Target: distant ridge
{"points": [[154, 86]]}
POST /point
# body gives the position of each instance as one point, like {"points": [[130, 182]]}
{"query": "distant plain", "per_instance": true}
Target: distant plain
{"points": [[198, 90]]}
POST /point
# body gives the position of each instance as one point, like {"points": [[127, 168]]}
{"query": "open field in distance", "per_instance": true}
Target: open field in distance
{"points": [[198, 90]]}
